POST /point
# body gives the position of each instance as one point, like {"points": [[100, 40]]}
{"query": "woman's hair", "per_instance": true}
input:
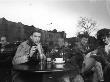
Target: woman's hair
{"points": [[102, 34]]}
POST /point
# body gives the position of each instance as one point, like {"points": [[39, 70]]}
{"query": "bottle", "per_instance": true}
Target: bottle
{"points": [[48, 55], [62, 55]]}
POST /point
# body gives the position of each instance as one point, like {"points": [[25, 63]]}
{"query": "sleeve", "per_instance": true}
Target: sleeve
{"points": [[22, 50]]}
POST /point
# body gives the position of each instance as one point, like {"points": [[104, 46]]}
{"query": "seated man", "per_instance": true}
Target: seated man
{"points": [[28, 53], [29, 49]]}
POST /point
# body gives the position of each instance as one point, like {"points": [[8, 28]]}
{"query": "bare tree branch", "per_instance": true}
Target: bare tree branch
{"points": [[87, 24]]}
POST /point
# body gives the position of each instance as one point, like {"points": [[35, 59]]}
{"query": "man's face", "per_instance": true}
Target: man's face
{"points": [[3, 40], [84, 40], [36, 37]]}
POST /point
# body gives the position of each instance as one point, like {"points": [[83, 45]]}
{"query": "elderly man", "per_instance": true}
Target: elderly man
{"points": [[29, 49]]}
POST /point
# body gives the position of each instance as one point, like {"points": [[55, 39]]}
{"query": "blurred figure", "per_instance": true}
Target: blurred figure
{"points": [[80, 49], [5, 60], [61, 42], [83, 44], [3, 43], [67, 51], [61, 50], [103, 52], [3, 40], [99, 59], [5, 56], [58, 49]]}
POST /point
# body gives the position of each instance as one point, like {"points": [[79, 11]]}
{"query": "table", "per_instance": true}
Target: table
{"points": [[50, 70]]}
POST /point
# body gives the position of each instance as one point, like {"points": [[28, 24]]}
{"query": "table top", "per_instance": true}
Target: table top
{"points": [[45, 67]]}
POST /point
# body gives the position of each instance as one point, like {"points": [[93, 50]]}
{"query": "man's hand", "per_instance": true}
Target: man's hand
{"points": [[32, 51]]}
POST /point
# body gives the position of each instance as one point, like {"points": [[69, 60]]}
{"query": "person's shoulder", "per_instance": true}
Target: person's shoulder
{"points": [[23, 43]]}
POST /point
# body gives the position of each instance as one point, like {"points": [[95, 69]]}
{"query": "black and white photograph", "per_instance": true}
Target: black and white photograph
{"points": [[54, 40]]}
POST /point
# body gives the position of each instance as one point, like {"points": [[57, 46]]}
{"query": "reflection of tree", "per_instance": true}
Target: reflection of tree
{"points": [[87, 25]]}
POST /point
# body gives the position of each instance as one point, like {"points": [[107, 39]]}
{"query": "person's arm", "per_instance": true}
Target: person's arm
{"points": [[21, 55]]}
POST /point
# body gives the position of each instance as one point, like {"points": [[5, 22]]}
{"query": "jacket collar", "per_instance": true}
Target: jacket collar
{"points": [[30, 42]]}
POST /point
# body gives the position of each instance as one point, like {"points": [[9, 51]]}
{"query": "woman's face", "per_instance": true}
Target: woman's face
{"points": [[107, 40]]}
